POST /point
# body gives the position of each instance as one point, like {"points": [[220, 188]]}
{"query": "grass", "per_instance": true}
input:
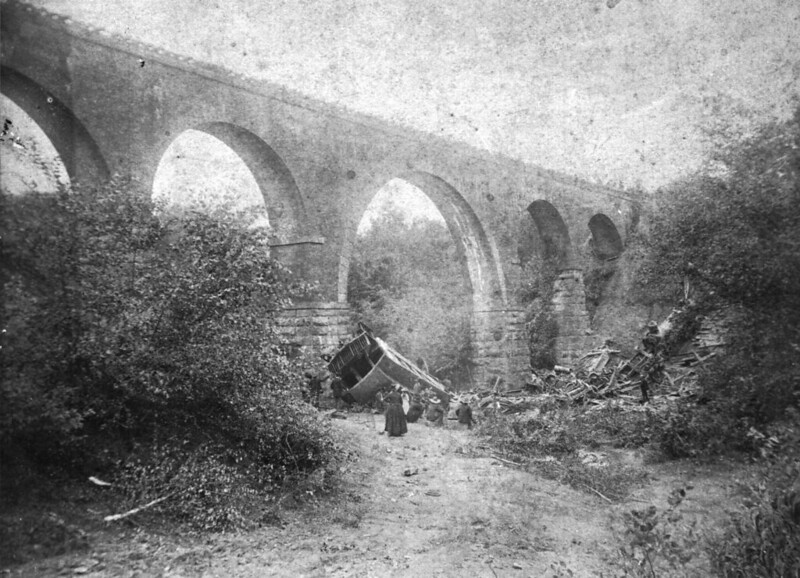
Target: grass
{"points": [[557, 440]]}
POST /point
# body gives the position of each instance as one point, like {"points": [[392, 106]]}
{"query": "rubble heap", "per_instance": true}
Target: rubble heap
{"points": [[606, 373]]}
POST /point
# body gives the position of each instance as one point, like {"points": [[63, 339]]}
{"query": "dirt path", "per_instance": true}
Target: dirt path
{"points": [[457, 516], [454, 515]]}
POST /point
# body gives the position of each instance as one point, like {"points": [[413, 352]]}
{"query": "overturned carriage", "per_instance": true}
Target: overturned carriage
{"points": [[367, 365]]}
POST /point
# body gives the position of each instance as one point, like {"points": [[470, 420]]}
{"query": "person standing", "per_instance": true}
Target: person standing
{"points": [[445, 403], [653, 348], [464, 413], [395, 416], [415, 409], [435, 413]]}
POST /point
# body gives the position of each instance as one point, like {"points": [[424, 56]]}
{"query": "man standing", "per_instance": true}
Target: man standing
{"points": [[652, 346]]}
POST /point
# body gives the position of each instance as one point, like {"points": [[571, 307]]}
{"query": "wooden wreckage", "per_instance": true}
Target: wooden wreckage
{"points": [[606, 375], [367, 365]]}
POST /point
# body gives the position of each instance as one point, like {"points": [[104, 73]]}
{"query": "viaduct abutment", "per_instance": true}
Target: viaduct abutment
{"points": [[112, 105]]}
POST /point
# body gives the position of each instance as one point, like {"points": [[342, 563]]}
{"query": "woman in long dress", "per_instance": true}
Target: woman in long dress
{"points": [[395, 416]]}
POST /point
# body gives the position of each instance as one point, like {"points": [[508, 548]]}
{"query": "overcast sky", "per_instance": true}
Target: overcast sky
{"points": [[616, 91]]}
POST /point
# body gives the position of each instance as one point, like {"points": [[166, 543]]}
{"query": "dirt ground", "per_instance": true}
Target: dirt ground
{"points": [[430, 503]]}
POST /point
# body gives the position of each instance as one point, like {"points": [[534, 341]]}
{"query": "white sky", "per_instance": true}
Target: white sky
{"points": [[28, 160], [616, 95], [412, 203]]}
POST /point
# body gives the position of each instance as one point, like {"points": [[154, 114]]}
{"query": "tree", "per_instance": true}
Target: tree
{"points": [[408, 282], [734, 233], [126, 328]]}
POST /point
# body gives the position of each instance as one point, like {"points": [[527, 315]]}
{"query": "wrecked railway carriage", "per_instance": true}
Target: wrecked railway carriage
{"points": [[367, 365]]}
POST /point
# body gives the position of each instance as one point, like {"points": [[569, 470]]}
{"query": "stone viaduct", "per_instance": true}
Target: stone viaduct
{"points": [[111, 105]]}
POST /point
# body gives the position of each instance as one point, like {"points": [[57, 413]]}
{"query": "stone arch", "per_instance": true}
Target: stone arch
{"points": [[552, 241], [606, 242], [467, 231], [76, 147], [275, 181]]}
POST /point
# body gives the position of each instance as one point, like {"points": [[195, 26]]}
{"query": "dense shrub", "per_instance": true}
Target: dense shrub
{"points": [[733, 234], [536, 294], [123, 329], [595, 281], [542, 331], [553, 442], [735, 238], [762, 537]]}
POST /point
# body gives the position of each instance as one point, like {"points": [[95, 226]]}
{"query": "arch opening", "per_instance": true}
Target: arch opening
{"points": [[200, 172], [28, 159], [219, 166], [548, 240], [413, 270], [76, 149], [605, 242], [481, 258]]}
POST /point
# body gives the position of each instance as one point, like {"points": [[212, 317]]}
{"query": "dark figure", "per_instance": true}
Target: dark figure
{"points": [[395, 416], [464, 413], [415, 410], [445, 412], [339, 390], [314, 388], [435, 413], [652, 345]]}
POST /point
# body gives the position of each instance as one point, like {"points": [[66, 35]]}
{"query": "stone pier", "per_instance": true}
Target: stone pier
{"points": [[569, 309], [501, 348], [315, 327]]}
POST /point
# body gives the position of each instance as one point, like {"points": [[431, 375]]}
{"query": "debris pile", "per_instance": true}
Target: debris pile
{"points": [[606, 373], [515, 401]]}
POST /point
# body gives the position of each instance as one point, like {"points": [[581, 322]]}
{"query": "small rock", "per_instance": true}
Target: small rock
{"points": [[516, 566]]}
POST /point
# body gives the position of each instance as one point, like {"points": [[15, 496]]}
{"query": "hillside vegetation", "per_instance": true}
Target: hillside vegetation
{"points": [[141, 350]]}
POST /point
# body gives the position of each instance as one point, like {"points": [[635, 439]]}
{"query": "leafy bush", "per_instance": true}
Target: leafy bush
{"points": [[123, 330], [536, 293], [554, 440], [731, 405], [735, 237], [623, 427], [659, 542], [733, 233], [595, 281], [542, 335], [762, 537]]}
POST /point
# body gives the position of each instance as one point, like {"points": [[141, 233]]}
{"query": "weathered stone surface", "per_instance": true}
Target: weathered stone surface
{"points": [[106, 114]]}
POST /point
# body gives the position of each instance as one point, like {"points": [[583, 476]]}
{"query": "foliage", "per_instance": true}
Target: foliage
{"points": [[122, 329], [762, 537], [408, 282], [620, 425], [536, 293], [734, 236], [729, 408], [595, 280], [542, 334], [658, 542], [554, 440]]}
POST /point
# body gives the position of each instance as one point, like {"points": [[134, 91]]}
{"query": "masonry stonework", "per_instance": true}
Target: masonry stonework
{"points": [[317, 165]]}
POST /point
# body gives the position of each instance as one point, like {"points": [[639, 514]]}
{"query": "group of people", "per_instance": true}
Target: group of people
{"points": [[397, 418]]}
